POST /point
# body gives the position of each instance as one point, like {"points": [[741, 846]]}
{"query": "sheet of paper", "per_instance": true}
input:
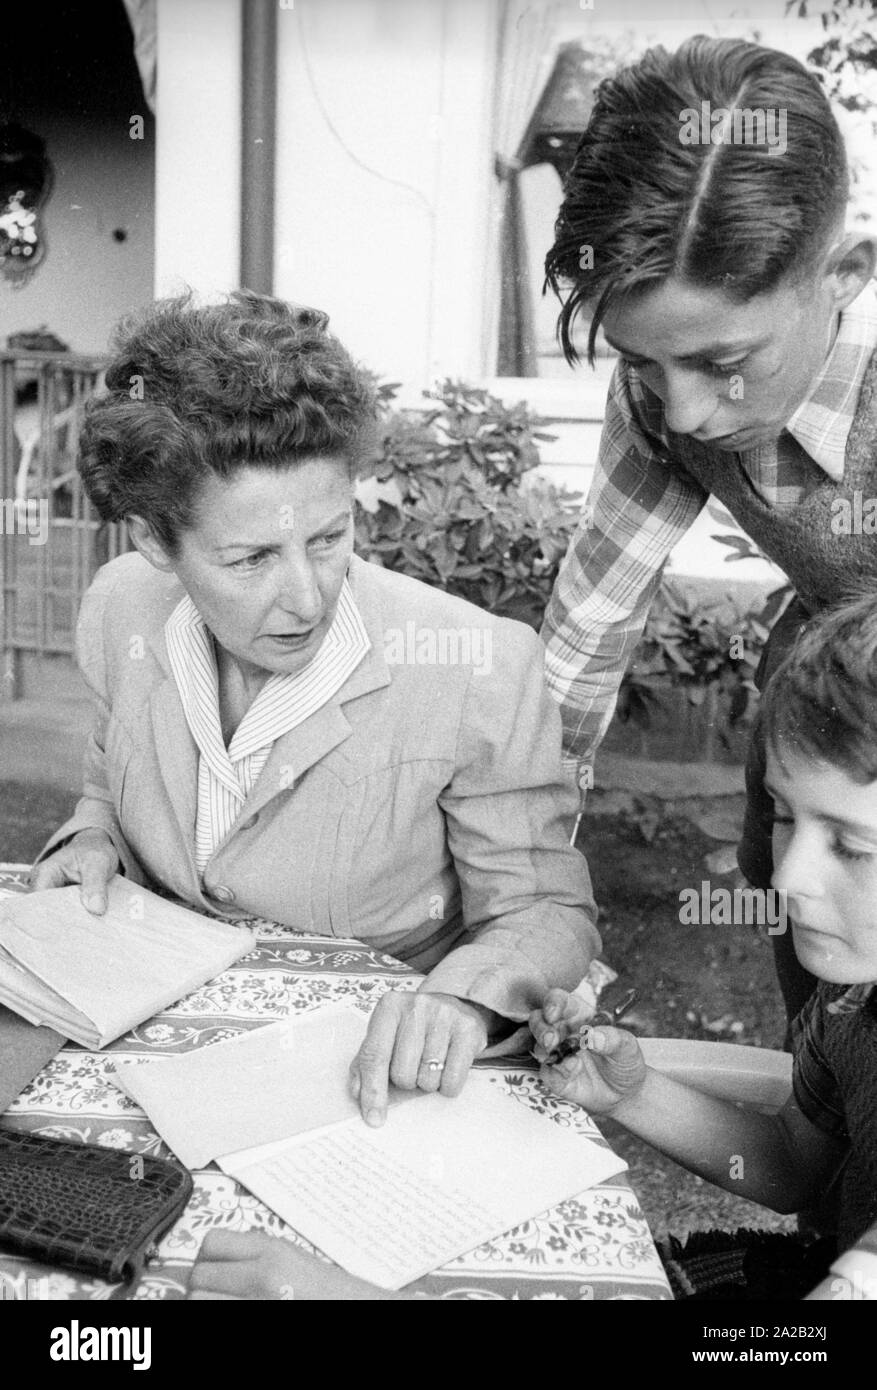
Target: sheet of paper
{"points": [[269, 1084], [442, 1176], [93, 978]]}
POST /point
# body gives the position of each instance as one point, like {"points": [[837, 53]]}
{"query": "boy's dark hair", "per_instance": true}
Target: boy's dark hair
{"points": [[822, 701], [736, 216], [198, 390]]}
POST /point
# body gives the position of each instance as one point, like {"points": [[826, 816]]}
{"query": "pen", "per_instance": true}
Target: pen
{"points": [[578, 1040]]}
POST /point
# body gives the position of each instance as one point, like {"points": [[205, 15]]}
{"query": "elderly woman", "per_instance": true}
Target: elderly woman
{"points": [[264, 744]]}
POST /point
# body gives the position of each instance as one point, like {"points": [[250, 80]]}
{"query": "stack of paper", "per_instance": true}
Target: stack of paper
{"points": [[390, 1204], [93, 978], [441, 1177]]}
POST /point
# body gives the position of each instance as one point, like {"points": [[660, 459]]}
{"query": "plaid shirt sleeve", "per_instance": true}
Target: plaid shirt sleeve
{"points": [[637, 509]]}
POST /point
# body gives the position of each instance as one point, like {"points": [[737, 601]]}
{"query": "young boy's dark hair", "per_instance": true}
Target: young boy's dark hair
{"points": [[822, 701], [734, 216]]}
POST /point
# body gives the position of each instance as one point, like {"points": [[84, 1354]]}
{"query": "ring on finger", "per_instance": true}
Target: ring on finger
{"points": [[433, 1064]]}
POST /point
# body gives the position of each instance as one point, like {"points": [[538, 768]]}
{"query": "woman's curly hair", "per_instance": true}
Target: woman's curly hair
{"points": [[194, 390]]}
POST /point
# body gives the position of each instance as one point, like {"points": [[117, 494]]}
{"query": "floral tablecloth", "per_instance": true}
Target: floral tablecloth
{"points": [[595, 1246]]}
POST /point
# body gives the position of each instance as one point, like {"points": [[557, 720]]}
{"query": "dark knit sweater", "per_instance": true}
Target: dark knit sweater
{"points": [[834, 1042]]}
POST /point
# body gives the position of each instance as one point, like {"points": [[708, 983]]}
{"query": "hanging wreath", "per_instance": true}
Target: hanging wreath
{"points": [[25, 184]]}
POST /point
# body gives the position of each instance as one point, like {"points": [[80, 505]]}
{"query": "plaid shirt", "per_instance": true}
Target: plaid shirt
{"points": [[638, 509]]}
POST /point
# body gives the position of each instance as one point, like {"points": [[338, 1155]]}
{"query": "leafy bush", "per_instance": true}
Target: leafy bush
{"points": [[708, 651], [711, 652], [452, 500]]}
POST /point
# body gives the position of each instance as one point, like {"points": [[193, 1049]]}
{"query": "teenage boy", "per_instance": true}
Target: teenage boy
{"points": [[713, 254]]}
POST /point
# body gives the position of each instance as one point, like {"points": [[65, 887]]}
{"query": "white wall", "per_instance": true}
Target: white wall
{"points": [[103, 182], [384, 175], [71, 79], [384, 168]]}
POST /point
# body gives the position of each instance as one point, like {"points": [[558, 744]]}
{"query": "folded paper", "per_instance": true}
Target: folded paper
{"points": [[268, 1084], [94, 978]]}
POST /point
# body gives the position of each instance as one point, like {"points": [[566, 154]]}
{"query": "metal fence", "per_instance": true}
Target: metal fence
{"points": [[51, 543]]}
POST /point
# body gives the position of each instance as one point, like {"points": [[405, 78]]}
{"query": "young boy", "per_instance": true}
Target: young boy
{"points": [[703, 228], [820, 724]]}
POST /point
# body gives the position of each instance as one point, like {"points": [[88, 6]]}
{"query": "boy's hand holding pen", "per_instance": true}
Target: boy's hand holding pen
{"points": [[584, 1057]]}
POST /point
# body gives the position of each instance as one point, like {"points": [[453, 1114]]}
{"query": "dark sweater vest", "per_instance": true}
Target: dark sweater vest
{"points": [[823, 567]]}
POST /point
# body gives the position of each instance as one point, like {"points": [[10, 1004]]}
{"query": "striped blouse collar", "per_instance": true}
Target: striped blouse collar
{"points": [[284, 700]]}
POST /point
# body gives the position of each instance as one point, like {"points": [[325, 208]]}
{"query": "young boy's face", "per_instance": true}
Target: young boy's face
{"points": [[825, 860], [726, 372]]}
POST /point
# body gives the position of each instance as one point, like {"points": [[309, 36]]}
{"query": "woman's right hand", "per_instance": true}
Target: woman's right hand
{"points": [[90, 859], [611, 1069]]}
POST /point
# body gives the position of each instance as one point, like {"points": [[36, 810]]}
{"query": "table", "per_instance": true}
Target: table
{"points": [[597, 1245]]}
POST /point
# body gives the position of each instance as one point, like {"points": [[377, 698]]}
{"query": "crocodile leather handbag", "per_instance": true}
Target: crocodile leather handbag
{"points": [[87, 1208]]}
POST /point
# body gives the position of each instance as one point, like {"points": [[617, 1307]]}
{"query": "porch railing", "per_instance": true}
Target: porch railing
{"points": [[51, 542]]}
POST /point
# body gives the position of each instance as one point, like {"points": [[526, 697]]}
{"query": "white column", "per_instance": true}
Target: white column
{"points": [[198, 135], [461, 340], [384, 176]]}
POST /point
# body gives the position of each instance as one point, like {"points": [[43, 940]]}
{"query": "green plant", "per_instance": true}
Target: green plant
{"points": [[452, 500], [708, 651], [746, 549], [846, 62], [847, 55], [711, 652]]}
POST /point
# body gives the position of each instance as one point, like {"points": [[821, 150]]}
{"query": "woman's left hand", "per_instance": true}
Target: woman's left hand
{"points": [[423, 1042]]}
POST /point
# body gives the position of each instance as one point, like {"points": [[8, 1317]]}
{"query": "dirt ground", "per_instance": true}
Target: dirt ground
{"points": [[707, 982]]}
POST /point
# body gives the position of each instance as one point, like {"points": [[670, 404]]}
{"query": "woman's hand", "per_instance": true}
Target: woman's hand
{"points": [[89, 859], [610, 1070], [255, 1265], [406, 1033]]}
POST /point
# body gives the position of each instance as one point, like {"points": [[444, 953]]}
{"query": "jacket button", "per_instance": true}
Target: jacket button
{"points": [[222, 894]]}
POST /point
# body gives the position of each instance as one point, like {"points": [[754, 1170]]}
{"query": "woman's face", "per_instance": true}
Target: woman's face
{"points": [[266, 558]]}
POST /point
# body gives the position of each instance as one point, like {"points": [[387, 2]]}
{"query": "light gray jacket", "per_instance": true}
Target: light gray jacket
{"points": [[423, 809]]}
